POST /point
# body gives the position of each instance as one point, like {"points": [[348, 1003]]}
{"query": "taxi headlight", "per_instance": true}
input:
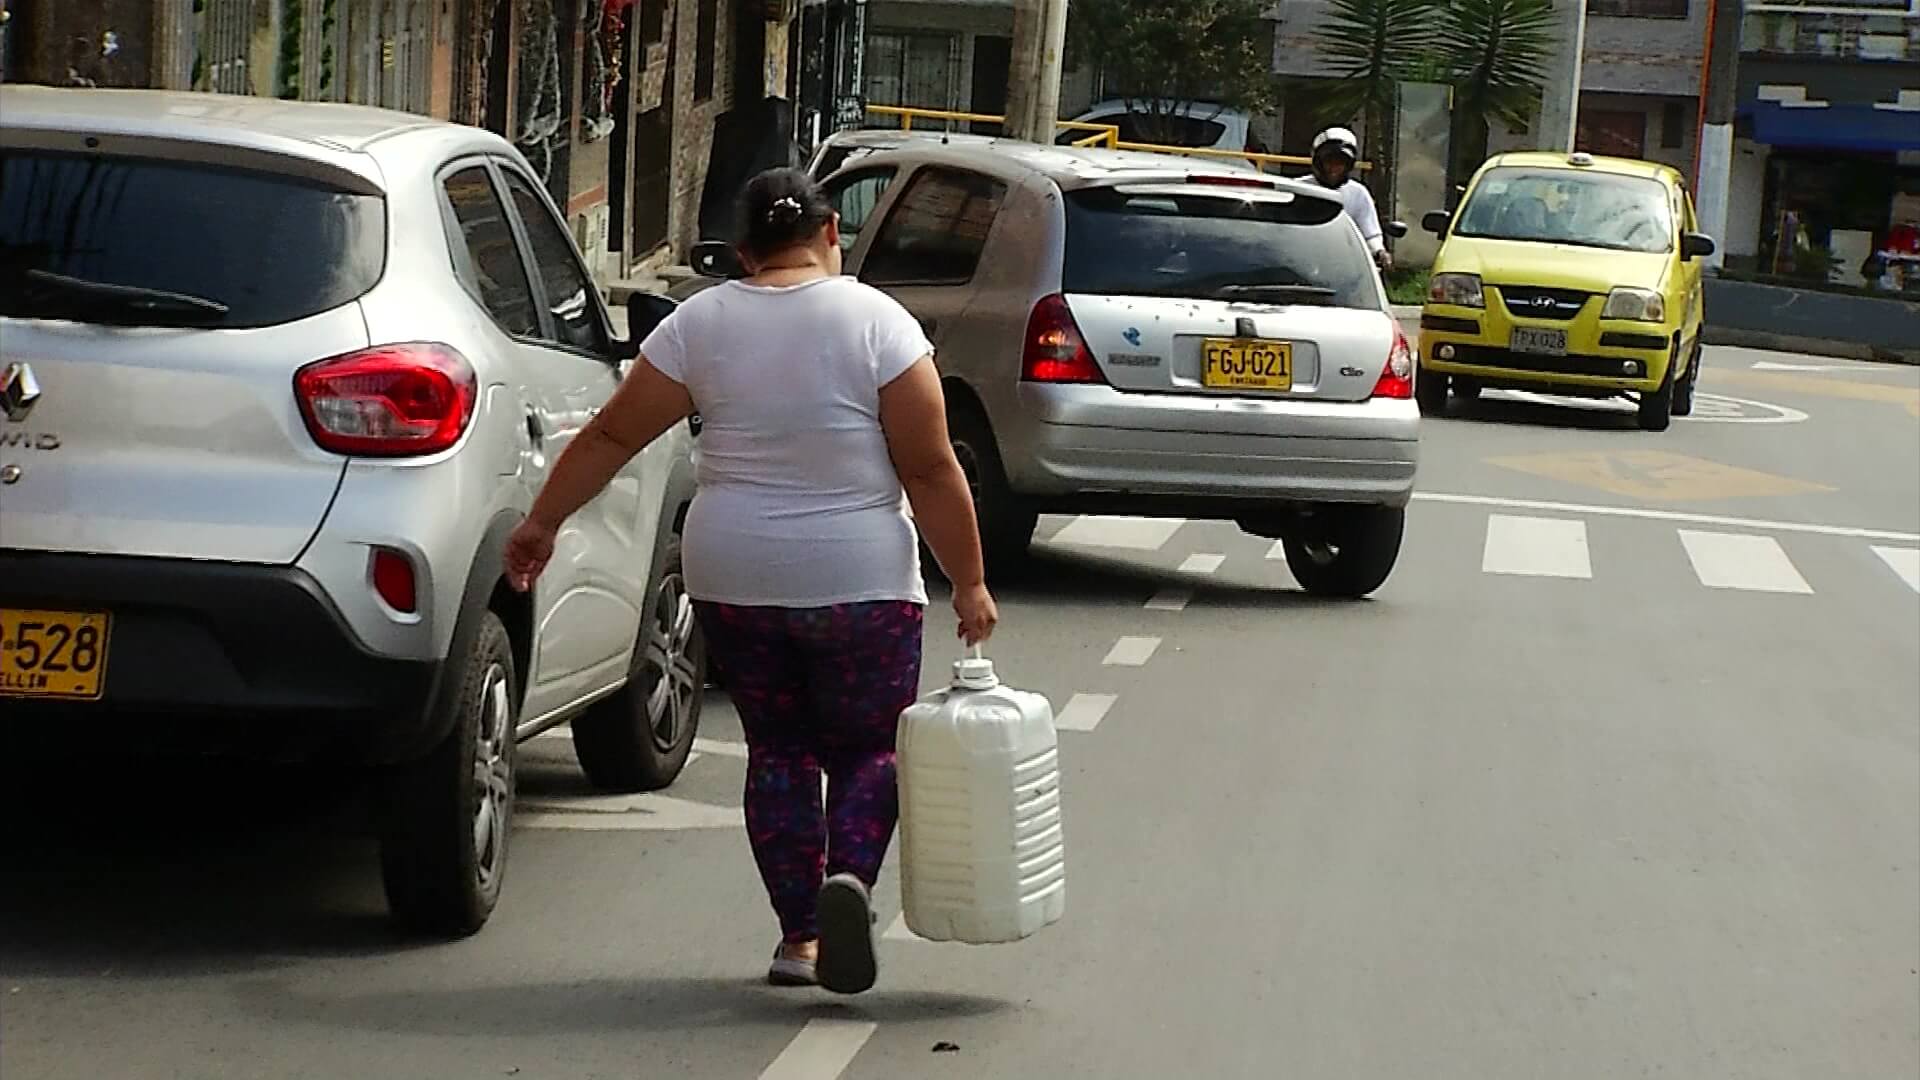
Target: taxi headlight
{"points": [[1637, 305], [1457, 290]]}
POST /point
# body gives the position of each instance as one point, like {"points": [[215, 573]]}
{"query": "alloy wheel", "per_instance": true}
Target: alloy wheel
{"points": [[672, 667], [493, 774]]}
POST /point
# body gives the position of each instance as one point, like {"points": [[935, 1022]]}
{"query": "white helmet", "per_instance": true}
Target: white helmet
{"points": [[1335, 140]]}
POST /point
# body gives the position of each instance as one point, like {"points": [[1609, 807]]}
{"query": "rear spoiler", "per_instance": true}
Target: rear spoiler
{"points": [[348, 172]]}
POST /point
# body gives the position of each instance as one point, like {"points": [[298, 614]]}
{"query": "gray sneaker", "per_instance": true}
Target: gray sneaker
{"points": [[849, 962]]}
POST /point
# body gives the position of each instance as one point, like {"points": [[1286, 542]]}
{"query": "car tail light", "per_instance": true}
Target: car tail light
{"points": [[1397, 380], [393, 580], [390, 401], [1055, 351]]}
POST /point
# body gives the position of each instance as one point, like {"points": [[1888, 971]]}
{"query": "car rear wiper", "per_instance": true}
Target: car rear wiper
{"points": [[1275, 292], [132, 298]]}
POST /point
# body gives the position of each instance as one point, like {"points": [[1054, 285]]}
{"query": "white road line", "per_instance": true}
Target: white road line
{"points": [[1668, 515], [1133, 534], [1739, 561], [1904, 561], [1170, 600], [626, 813], [822, 1050], [1278, 552], [1084, 712], [721, 748], [1132, 652], [561, 732], [1536, 547], [897, 930], [1202, 564]]}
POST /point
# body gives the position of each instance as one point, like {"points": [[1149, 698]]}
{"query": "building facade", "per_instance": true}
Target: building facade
{"points": [[614, 102], [1826, 170]]}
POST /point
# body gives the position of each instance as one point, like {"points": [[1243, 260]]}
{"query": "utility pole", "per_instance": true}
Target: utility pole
{"points": [[1560, 98], [1033, 82], [1719, 97]]}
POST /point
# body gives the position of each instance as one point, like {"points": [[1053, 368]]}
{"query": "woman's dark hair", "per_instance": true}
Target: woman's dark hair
{"points": [[781, 208]]}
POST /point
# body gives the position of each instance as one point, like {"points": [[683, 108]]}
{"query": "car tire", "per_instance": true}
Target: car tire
{"points": [[1683, 392], [1006, 526], [1430, 389], [1345, 552], [446, 818], [639, 738], [1656, 408]]}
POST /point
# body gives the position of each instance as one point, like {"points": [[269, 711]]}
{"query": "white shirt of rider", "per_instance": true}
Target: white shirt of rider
{"points": [[1359, 203]]}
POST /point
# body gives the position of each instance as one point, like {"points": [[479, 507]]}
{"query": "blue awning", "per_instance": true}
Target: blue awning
{"points": [[1834, 127]]}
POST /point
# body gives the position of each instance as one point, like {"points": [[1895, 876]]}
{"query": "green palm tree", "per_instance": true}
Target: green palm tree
{"points": [[1495, 54], [1372, 46]]}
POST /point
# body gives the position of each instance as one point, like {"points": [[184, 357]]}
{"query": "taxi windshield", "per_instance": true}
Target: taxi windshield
{"points": [[1561, 206]]}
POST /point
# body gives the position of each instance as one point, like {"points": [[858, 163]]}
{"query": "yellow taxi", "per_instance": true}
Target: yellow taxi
{"points": [[1567, 274]]}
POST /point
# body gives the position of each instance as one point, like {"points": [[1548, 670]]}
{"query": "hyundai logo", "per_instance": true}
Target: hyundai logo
{"points": [[1544, 303]]}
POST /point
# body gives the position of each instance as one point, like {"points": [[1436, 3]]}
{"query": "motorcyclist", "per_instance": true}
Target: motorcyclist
{"points": [[1336, 154]]}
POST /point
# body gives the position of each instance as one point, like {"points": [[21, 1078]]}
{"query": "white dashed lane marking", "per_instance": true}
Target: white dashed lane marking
{"points": [[822, 1050], [1084, 712], [1202, 564], [1903, 561], [1536, 547], [1740, 561], [1132, 652], [1132, 534], [1170, 600]]}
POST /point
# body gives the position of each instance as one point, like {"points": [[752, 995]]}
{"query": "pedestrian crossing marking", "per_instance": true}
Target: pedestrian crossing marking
{"points": [[1128, 533], [1741, 561], [1658, 475], [1903, 561], [1170, 600], [1132, 652], [1536, 547], [1084, 712], [1202, 564]]}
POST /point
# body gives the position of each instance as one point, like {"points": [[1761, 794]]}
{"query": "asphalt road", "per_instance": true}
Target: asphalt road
{"points": [[1618, 776]]}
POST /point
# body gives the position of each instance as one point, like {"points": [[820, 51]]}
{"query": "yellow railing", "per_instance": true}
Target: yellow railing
{"points": [[1105, 136]]}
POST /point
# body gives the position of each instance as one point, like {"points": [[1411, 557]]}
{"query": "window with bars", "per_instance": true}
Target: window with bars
{"points": [[915, 71]]}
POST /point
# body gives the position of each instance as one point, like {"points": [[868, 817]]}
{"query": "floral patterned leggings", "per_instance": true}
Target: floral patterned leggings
{"points": [[817, 689]]}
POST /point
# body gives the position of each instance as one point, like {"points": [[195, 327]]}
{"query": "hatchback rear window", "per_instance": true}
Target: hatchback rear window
{"points": [[133, 241], [1213, 246]]}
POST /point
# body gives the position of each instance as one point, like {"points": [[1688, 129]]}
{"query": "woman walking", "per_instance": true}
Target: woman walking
{"points": [[823, 421]]}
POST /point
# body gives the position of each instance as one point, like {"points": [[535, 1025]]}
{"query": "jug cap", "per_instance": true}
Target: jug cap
{"points": [[974, 673]]}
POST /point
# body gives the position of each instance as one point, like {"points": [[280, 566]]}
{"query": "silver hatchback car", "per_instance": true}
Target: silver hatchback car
{"points": [[1146, 335], [278, 381]]}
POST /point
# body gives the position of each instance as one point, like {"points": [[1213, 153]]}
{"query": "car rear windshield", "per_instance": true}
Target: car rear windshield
{"points": [[135, 241], [1208, 245]]}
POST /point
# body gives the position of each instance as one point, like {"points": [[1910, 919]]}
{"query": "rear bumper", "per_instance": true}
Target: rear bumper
{"points": [[1074, 447], [221, 658]]}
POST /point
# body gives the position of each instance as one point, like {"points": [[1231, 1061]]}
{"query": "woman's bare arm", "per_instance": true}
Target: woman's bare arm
{"points": [[640, 411]]}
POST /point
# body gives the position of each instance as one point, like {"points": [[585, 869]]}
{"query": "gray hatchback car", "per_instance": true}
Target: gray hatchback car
{"points": [[278, 381], [1146, 335]]}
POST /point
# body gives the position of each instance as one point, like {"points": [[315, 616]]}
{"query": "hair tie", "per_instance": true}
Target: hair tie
{"points": [[786, 203]]}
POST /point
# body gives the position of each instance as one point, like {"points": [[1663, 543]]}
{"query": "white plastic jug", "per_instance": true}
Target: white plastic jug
{"points": [[982, 854]]}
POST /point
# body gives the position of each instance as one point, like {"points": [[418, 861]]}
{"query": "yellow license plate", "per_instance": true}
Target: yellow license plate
{"points": [[53, 654], [1240, 364]]}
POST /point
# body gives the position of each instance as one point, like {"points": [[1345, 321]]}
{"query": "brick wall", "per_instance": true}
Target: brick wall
{"points": [[693, 120]]}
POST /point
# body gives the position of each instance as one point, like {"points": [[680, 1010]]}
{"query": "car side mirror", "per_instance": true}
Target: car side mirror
{"points": [[645, 310], [716, 259], [1695, 245], [1437, 222], [1396, 229]]}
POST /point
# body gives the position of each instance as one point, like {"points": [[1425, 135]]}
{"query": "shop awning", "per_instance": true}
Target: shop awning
{"points": [[1834, 127]]}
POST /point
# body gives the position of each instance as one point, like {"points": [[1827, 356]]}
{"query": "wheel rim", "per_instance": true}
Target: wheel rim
{"points": [[969, 465], [492, 773], [672, 666]]}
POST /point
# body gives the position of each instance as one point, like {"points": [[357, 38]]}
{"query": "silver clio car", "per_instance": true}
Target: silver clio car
{"points": [[1148, 335], [278, 381]]}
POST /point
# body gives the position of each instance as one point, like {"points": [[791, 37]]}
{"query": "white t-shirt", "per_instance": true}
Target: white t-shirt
{"points": [[1359, 203], [799, 504]]}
